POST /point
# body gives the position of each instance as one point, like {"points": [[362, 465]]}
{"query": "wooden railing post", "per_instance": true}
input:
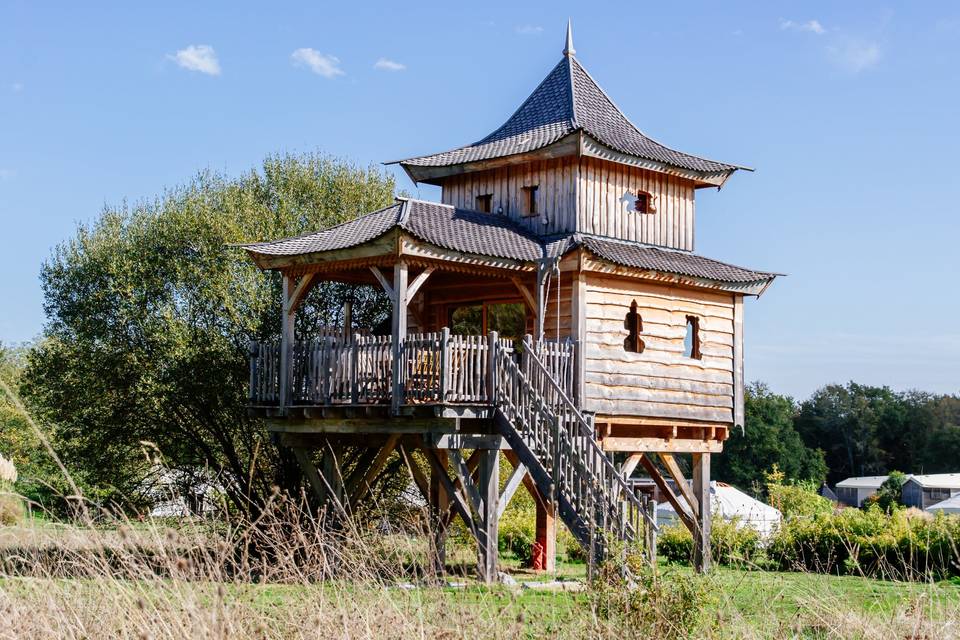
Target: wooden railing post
{"points": [[444, 363], [354, 373], [399, 333], [253, 349], [492, 367]]}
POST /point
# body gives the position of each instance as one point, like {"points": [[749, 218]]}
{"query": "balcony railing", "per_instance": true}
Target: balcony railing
{"points": [[436, 368]]}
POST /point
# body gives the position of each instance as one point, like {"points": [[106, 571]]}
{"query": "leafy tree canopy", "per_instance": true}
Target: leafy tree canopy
{"points": [[768, 439], [150, 309]]}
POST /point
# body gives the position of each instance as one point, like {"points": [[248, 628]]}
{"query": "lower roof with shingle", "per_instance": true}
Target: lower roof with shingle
{"points": [[484, 234]]}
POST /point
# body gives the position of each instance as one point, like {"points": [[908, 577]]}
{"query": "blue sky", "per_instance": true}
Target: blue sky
{"points": [[847, 110]]}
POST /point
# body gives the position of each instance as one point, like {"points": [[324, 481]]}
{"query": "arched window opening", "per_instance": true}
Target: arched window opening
{"points": [[633, 323]]}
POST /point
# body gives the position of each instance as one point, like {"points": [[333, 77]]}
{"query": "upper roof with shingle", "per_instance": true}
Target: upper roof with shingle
{"points": [[567, 101], [496, 236]]}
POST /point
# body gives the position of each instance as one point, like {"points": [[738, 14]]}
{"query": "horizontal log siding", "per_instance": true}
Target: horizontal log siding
{"points": [[601, 210], [660, 382], [556, 180], [584, 195]]}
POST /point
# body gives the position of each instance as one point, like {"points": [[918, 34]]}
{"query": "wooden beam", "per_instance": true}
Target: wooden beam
{"points": [[320, 486], [418, 282], [738, 405], [466, 480], [399, 332], [528, 297], [288, 320], [701, 491], [674, 470], [379, 462], [489, 520], [670, 445], [456, 500], [416, 473], [665, 489], [383, 282], [301, 291], [630, 464], [528, 482], [513, 483]]}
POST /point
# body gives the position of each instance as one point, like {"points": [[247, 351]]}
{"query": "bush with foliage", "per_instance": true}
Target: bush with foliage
{"points": [[904, 544], [890, 494], [731, 543], [653, 603], [794, 499]]}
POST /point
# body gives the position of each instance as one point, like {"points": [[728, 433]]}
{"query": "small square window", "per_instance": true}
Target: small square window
{"points": [[642, 203], [485, 203], [530, 201], [691, 341]]}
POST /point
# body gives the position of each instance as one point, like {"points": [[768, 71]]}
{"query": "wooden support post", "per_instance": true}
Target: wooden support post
{"points": [[674, 469], [701, 492], [287, 322], [332, 475], [399, 332], [658, 479], [630, 464], [545, 541], [578, 330], [360, 490], [439, 505], [488, 524], [492, 367]]}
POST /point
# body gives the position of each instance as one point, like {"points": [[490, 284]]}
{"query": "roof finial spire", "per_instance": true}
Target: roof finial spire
{"points": [[568, 49]]}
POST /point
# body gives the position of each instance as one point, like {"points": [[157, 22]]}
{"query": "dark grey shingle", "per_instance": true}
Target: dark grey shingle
{"points": [[639, 256], [568, 100]]}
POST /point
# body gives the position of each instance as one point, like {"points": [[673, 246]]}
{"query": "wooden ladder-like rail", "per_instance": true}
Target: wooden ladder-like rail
{"points": [[558, 445]]}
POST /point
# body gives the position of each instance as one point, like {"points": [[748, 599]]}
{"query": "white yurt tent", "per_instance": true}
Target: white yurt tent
{"points": [[730, 503], [950, 505]]}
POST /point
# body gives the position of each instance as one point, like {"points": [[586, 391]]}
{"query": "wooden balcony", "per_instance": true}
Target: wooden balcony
{"points": [[436, 369]]}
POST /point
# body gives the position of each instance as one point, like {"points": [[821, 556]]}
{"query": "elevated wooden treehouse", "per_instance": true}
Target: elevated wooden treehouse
{"points": [[551, 308]]}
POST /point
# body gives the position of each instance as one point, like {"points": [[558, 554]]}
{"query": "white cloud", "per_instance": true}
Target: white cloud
{"points": [[385, 64], [198, 57], [327, 65], [530, 30], [810, 26], [855, 55]]}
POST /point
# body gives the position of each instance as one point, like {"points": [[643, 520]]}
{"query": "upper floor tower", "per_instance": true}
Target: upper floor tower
{"points": [[569, 161]]}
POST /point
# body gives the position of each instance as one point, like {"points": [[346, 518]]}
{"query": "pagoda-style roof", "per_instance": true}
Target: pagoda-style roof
{"points": [[568, 113], [465, 234]]}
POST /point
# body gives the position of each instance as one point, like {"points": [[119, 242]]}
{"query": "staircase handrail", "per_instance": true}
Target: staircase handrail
{"points": [[588, 431]]}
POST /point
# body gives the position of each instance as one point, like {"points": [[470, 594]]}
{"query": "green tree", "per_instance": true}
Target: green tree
{"points": [[850, 424], [768, 439], [890, 494], [150, 309]]}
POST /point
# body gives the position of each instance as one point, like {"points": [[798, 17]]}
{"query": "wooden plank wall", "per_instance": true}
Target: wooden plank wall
{"points": [[556, 180], [602, 212], [660, 382], [585, 195]]}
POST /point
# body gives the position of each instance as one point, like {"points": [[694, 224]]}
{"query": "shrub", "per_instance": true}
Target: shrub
{"points": [[11, 510], [905, 544], [797, 500], [517, 534], [730, 543], [654, 604]]}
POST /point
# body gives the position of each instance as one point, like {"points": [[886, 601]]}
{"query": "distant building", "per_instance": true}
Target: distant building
{"points": [[828, 493], [853, 491], [928, 490], [949, 506]]}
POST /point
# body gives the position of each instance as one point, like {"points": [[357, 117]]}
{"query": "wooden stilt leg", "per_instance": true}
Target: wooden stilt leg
{"points": [[438, 523], [545, 546], [489, 494], [701, 492]]}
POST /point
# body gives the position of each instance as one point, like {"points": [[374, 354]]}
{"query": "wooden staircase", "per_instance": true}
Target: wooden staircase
{"points": [[558, 446]]}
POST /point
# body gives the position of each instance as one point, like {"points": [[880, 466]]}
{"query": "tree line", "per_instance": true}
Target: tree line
{"points": [[842, 431]]}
